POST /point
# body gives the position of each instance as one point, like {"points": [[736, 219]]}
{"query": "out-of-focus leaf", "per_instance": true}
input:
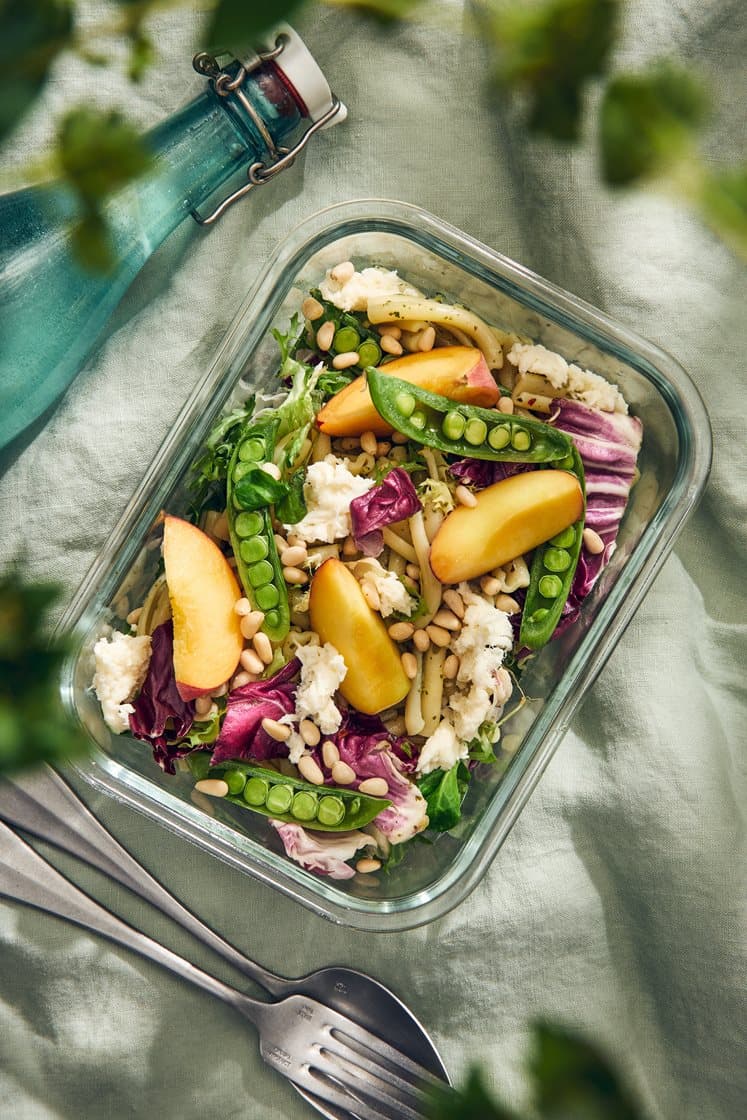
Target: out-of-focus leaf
{"points": [[724, 206], [647, 121], [472, 1101], [574, 1081], [384, 11], [97, 153], [548, 52], [238, 23], [33, 34], [33, 727]]}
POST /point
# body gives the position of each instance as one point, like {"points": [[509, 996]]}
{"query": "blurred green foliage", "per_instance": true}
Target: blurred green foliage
{"points": [[33, 727]]}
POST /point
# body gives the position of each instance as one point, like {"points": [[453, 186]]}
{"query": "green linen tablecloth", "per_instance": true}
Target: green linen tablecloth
{"points": [[616, 904]]}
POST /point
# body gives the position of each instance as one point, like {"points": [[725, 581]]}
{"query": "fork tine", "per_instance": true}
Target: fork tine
{"points": [[372, 1048], [332, 1090], [360, 1075]]}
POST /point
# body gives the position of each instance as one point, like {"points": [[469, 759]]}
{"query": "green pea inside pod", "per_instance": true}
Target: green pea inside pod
{"points": [[331, 810], [235, 781], [280, 798], [304, 806], [256, 791], [557, 559], [550, 587]]}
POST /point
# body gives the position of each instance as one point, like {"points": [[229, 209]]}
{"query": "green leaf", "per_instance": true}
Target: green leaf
{"points": [[724, 205], [383, 11], [574, 1081], [548, 53], [647, 121], [256, 489], [207, 482], [472, 1101], [444, 792], [291, 508], [481, 747], [236, 23], [33, 34]]}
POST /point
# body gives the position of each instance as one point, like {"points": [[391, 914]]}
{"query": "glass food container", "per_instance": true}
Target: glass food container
{"points": [[674, 464]]}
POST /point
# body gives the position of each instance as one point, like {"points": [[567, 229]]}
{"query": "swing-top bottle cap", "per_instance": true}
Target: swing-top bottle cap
{"points": [[304, 74]]}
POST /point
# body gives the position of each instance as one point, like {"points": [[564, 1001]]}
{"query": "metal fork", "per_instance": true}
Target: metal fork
{"points": [[312, 1045]]}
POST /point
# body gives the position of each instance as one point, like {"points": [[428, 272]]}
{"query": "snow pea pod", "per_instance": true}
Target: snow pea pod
{"points": [[321, 808], [464, 429], [551, 576], [257, 563]]}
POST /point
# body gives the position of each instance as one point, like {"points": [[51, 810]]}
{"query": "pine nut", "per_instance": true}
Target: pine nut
{"points": [[371, 595], [413, 571], [311, 309], [454, 602], [241, 679], [593, 543], [218, 692], [280, 542], [506, 405], [465, 497], [133, 616], [390, 345], [324, 336], [280, 732], [368, 443], [293, 557], [410, 341], [272, 469], [251, 663], [401, 631], [342, 774], [365, 866], [399, 437], [507, 603], [447, 619], [242, 607], [451, 667], [294, 539], [345, 360], [420, 640], [489, 585], [310, 770], [263, 647], [391, 329], [309, 731], [427, 339], [343, 272], [213, 787], [438, 635], [330, 753], [349, 547], [295, 576], [203, 705], [220, 528], [374, 787], [410, 665], [250, 623]]}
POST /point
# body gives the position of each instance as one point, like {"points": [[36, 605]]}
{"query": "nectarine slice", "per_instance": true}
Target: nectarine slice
{"points": [[510, 518], [203, 592], [339, 614], [457, 372]]}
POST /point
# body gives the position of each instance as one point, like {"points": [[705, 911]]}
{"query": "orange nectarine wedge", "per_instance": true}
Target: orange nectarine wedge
{"points": [[457, 372], [510, 518], [339, 614], [203, 592]]}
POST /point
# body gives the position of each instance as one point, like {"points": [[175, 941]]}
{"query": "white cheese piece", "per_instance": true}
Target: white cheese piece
{"points": [[322, 672], [442, 749], [329, 489], [354, 294], [393, 595], [121, 665], [481, 644], [570, 380]]}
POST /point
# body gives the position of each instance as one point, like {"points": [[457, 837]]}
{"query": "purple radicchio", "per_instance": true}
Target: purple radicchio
{"points": [[608, 443], [161, 717], [392, 500], [242, 734], [372, 752], [323, 853], [480, 473]]}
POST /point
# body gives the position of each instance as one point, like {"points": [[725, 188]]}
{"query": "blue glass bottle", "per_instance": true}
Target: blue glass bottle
{"points": [[53, 312]]}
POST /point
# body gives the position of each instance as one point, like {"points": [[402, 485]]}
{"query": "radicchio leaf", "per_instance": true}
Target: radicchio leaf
{"points": [[161, 717], [480, 473], [325, 854], [392, 500], [242, 734]]}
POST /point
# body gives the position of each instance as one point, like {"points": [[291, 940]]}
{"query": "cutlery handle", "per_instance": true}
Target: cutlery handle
{"points": [[43, 804], [26, 877]]}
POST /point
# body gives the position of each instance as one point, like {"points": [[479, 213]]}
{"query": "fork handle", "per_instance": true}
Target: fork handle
{"points": [[26, 877], [43, 804]]}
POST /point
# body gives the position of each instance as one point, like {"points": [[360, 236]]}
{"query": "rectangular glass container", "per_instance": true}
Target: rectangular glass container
{"points": [[674, 464]]}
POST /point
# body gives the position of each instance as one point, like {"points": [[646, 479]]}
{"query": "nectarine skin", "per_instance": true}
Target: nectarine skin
{"points": [[510, 518], [339, 614], [203, 592], [457, 372]]}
